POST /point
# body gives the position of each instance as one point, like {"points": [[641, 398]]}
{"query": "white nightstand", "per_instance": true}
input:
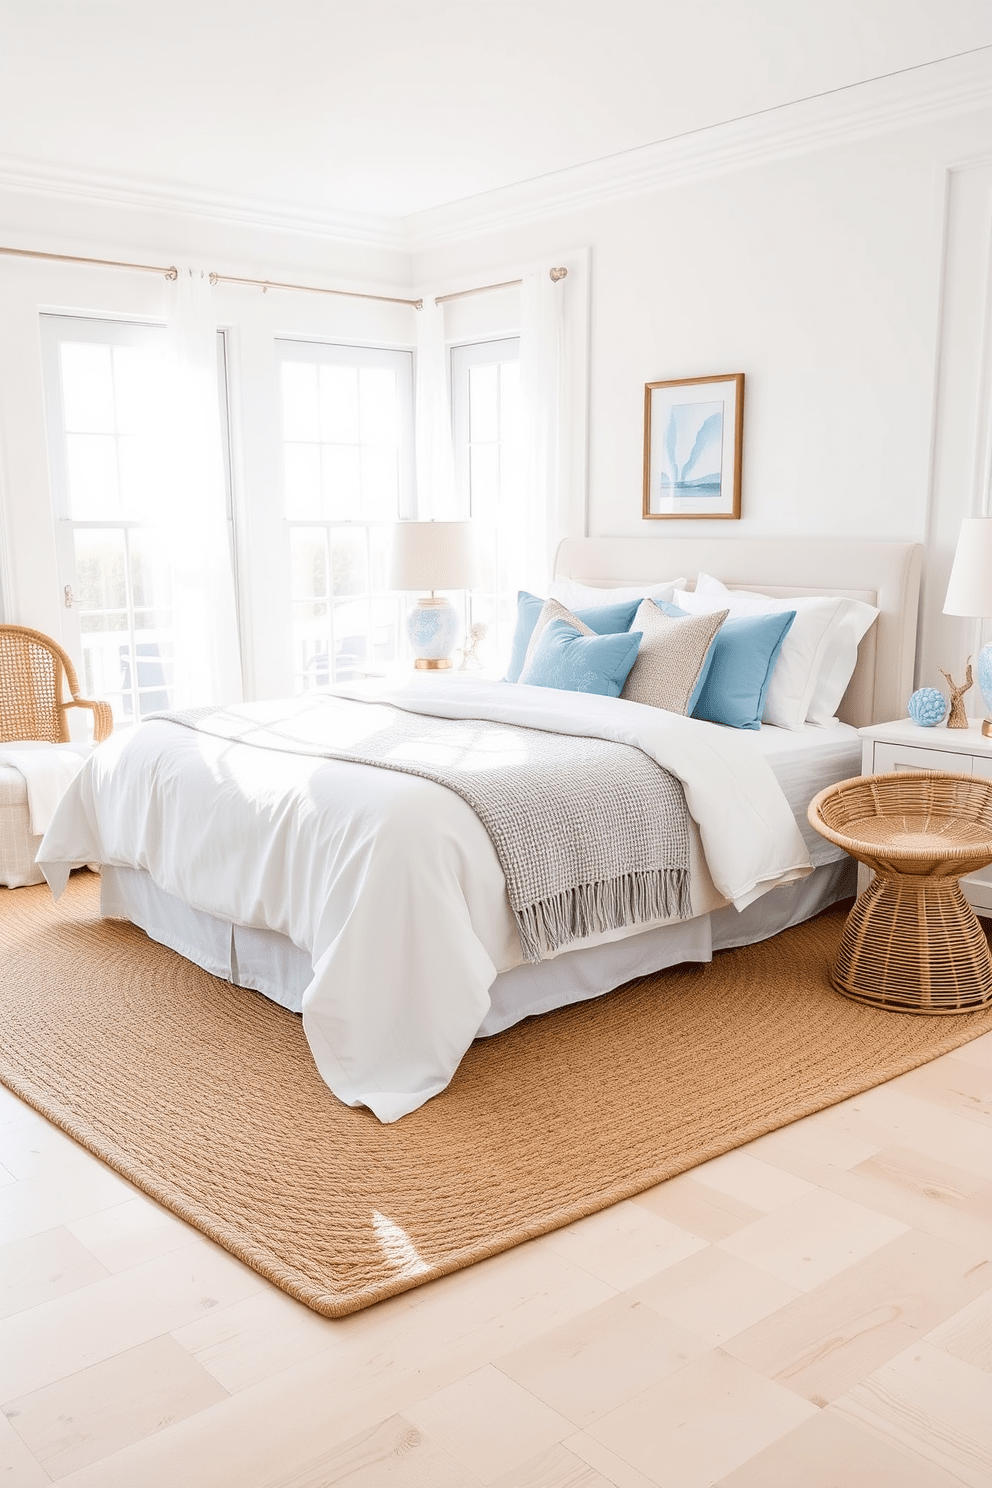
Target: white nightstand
{"points": [[903, 745]]}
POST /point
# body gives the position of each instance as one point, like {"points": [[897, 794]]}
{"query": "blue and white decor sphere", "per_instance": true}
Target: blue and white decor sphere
{"points": [[927, 707]]}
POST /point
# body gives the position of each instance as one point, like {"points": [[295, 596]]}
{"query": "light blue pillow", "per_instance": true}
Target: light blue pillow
{"points": [[739, 667], [603, 619], [571, 662]]}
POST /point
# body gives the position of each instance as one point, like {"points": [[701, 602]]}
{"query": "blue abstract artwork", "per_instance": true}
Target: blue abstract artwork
{"points": [[691, 457]]}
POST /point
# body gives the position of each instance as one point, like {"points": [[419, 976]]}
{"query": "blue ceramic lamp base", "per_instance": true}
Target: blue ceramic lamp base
{"points": [[985, 685], [432, 626]]}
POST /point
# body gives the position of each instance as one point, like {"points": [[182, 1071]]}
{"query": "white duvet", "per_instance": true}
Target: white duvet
{"points": [[388, 879]]}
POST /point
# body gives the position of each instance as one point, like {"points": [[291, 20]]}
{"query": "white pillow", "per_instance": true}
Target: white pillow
{"points": [[837, 667], [583, 596], [809, 679]]}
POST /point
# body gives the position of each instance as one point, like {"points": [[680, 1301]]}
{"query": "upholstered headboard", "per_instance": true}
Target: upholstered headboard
{"points": [[884, 574]]}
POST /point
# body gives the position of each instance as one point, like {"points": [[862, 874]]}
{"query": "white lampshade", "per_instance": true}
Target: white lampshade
{"points": [[432, 555], [969, 591]]}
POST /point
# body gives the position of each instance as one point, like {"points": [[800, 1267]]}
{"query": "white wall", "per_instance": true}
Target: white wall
{"points": [[818, 276]]}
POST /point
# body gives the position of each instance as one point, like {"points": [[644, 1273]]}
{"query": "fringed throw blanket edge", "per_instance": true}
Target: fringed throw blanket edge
{"points": [[548, 925]]}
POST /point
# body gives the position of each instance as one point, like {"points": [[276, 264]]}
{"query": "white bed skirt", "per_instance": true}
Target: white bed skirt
{"points": [[271, 964]]}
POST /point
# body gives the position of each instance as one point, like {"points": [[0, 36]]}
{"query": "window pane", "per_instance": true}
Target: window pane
{"points": [[308, 562], [140, 469], [351, 639], [301, 480], [87, 388], [151, 581], [380, 484], [385, 631], [300, 410], [137, 389], [311, 645], [484, 466], [379, 411], [100, 580], [91, 462], [380, 553], [342, 496], [339, 422], [509, 402], [349, 561], [483, 406], [153, 672], [102, 670]]}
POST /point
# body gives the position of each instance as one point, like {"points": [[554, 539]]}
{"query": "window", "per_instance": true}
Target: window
{"points": [[347, 417], [485, 399], [103, 394]]}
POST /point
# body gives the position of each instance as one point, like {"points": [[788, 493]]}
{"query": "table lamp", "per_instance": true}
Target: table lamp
{"points": [[432, 555], [969, 592]]}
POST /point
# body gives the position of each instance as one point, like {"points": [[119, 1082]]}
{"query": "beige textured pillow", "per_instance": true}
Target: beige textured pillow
{"points": [[553, 610], [670, 658]]}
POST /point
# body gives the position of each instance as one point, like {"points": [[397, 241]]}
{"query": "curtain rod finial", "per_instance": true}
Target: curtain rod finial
{"points": [[172, 273], [557, 274]]}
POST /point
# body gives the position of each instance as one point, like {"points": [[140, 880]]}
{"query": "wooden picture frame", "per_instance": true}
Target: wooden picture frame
{"points": [[693, 440]]}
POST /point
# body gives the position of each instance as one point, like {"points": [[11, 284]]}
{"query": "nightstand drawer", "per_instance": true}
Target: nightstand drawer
{"points": [[977, 889], [981, 765], [890, 757]]}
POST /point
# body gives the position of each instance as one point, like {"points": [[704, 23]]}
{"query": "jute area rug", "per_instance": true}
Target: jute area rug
{"points": [[205, 1096]]}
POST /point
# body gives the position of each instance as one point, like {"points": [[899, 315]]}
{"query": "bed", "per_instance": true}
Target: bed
{"points": [[372, 901]]}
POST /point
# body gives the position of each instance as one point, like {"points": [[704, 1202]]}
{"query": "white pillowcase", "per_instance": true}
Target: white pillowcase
{"points": [[818, 655], [584, 597]]}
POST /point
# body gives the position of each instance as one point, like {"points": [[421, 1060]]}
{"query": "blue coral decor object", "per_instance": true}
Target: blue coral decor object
{"points": [[927, 707]]}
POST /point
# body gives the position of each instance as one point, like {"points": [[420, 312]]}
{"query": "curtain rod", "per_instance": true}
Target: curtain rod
{"points": [[350, 294], [461, 294], [105, 263], [173, 273], [266, 284]]}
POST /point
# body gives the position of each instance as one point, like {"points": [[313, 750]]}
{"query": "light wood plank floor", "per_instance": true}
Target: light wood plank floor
{"points": [[813, 1310]]}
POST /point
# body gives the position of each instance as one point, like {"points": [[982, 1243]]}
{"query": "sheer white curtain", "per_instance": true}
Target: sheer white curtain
{"points": [[207, 667], [436, 496], [537, 524]]}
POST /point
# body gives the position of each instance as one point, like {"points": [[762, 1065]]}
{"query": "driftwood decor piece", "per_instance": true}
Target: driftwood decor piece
{"points": [[957, 717]]}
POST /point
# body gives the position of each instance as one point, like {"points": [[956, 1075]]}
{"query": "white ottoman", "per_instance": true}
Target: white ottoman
{"points": [[17, 844]]}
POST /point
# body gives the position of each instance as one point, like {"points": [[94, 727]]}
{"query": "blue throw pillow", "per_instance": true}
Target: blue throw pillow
{"points": [[740, 665], [571, 662], [603, 619]]}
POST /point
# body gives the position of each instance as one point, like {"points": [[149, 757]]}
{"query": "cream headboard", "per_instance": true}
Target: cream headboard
{"points": [[884, 574]]}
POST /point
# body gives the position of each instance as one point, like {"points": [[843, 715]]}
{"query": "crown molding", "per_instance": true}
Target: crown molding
{"points": [[935, 89], [874, 107], [134, 193]]}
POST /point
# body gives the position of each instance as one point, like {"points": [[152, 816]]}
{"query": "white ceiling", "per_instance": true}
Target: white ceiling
{"points": [[393, 107]]}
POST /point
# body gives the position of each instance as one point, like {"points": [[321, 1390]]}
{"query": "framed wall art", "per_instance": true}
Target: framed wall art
{"points": [[693, 433]]}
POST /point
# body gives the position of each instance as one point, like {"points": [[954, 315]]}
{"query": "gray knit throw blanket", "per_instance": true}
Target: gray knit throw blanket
{"points": [[591, 835]]}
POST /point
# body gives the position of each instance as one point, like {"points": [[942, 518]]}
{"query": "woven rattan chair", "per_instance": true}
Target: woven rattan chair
{"points": [[912, 942], [34, 674]]}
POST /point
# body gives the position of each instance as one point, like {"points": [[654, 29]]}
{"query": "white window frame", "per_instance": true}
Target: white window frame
{"points": [[463, 357], [339, 353], [106, 331]]}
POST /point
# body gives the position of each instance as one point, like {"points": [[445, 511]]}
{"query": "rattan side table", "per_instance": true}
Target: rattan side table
{"points": [[912, 942]]}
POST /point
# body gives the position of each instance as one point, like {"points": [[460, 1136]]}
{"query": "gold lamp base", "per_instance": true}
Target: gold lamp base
{"points": [[987, 727], [433, 663]]}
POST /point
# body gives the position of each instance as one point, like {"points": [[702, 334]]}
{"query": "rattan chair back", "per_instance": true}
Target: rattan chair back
{"points": [[35, 674]]}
